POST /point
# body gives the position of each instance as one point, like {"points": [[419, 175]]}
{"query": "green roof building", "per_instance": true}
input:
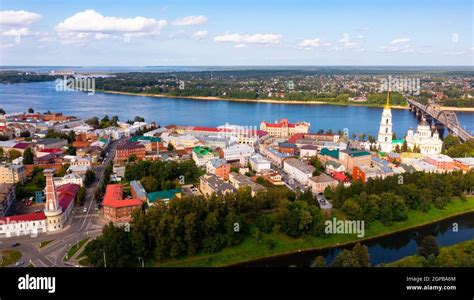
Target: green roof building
{"points": [[165, 196]]}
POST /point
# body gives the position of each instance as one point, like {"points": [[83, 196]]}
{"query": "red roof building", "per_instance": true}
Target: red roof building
{"points": [[117, 209]]}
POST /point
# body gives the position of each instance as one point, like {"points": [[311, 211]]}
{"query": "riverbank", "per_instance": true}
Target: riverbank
{"points": [[453, 256], [276, 101], [249, 250]]}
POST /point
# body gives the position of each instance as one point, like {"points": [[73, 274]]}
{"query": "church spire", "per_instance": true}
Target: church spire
{"points": [[387, 105]]}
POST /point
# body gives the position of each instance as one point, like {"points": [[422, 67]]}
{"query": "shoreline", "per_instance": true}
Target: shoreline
{"points": [[454, 214], [352, 242], [274, 101]]}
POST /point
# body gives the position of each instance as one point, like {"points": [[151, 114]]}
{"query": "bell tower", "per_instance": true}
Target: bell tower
{"points": [[385, 131]]}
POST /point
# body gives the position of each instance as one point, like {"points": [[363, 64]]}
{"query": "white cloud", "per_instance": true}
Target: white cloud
{"points": [[92, 21], [199, 35], [400, 41], [18, 17], [259, 38], [345, 38], [90, 25], [190, 20], [240, 46], [312, 43], [17, 32]]}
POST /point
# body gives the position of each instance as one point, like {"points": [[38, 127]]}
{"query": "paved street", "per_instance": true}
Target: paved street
{"points": [[79, 226]]}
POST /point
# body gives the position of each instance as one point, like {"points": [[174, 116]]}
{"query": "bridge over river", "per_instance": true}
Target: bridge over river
{"points": [[442, 118]]}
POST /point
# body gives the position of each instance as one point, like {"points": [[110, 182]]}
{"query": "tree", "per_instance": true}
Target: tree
{"points": [[139, 119], [94, 122], [28, 157], [89, 177], [149, 183], [319, 262], [428, 246], [362, 254], [265, 223], [13, 154], [346, 258], [31, 111], [316, 163], [1, 152], [2, 111], [328, 193], [170, 147], [81, 195], [71, 150]]}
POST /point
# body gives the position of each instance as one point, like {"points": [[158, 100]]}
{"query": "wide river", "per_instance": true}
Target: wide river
{"points": [[358, 119]]}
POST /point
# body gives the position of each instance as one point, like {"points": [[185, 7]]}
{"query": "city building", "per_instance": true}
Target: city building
{"points": [[363, 173], [238, 152], [219, 167], [7, 198], [10, 173], [210, 183], [69, 178], [259, 163], [239, 180], [283, 128], [308, 151], [164, 196], [385, 131], [138, 191], [426, 140], [465, 164], [352, 157], [127, 149], [319, 183], [441, 161], [298, 170], [201, 155], [117, 209]]}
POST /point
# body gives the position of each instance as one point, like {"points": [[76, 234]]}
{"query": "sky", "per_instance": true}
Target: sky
{"points": [[231, 32]]}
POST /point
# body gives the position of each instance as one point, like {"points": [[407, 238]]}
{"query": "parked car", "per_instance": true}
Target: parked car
{"points": [[16, 244], [19, 263]]}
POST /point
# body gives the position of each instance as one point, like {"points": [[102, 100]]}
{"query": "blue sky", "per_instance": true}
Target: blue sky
{"points": [[144, 33]]}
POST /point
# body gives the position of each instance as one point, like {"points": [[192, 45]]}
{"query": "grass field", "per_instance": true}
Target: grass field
{"points": [[75, 248], [45, 243], [250, 250], [9, 257]]}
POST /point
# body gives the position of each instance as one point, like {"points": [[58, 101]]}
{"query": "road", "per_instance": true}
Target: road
{"points": [[79, 226]]}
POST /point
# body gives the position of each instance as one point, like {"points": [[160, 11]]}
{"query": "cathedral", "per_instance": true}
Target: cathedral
{"points": [[425, 139], [384, 139]]}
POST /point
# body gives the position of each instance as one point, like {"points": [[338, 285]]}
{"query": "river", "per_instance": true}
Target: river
{"points": [[43, 96], [384, 249]]}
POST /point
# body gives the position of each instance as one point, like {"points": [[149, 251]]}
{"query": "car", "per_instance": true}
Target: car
{"points": [[16, 244], [19, 263], [85, 209]]}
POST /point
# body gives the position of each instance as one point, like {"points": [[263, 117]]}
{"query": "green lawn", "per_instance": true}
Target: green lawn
{"points": [[250, 250], [45, 243], [464, 250], [75, 248], [9, 257]]}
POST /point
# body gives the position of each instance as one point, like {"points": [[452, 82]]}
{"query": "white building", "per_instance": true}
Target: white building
{"points": [[69, 178], [385, 131], [424, 139], [238, 152], [259, 163], [307, 151], [298, 170]]}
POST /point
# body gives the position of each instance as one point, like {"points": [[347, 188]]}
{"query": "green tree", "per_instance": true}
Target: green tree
{"points": [[28, 156], [149, 183], [361, 252], [90, 177], [428, 246], [13, 154], [346, 258], [319, 262], [31, 111]]}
